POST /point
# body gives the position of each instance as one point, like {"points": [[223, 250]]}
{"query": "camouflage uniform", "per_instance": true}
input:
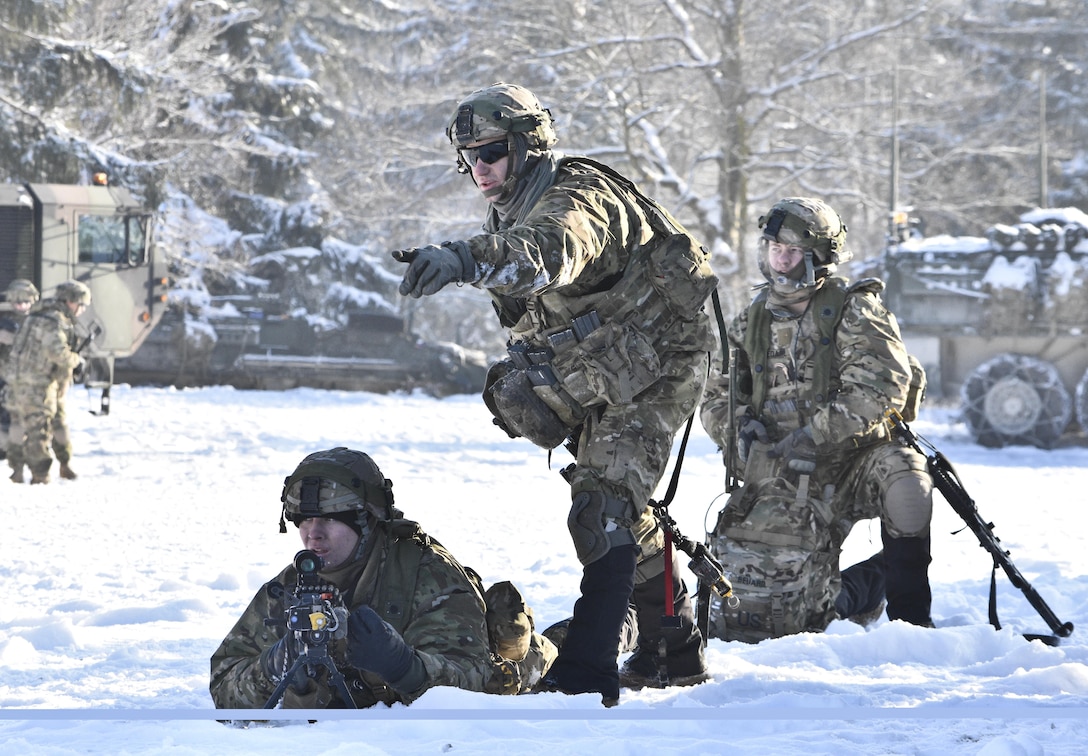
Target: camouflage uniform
{"points": [[430, 601], [853, 470], [608, 341], [21, 294], [442, 616], [38, 373]]}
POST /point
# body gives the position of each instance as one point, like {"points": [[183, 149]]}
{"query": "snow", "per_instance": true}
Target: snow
{"points": [[119, 586]]}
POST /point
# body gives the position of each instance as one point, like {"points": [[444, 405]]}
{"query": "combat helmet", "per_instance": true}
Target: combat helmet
{"points": [[21, 291], [74, 291], [814, 226], [503, 110], [338, 483]]}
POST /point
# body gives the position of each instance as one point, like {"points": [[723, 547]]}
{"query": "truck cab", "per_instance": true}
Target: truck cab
{"points": [[96, 234]]}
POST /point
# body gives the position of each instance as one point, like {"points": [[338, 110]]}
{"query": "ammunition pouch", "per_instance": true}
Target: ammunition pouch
{"points": [[518, 410], [598, 523]]}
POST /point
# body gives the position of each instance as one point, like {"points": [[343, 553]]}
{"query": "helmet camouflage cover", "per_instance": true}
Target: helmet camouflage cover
{"points": [[808, 223], [22, 291], [74, 291], [334, 482], [498, 111]]}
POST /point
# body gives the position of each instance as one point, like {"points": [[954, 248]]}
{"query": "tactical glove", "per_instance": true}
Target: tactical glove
{"points": [[432, 267], [375, 646], [750, 430], [78, 370], [798, 450], [278, 658]]}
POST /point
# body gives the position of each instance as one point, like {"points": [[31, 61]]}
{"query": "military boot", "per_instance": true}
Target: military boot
{"points": [[906, 578], [17, 475], [587, 661], [40, 475], [861, 595], [66, 472], [670, 649]]}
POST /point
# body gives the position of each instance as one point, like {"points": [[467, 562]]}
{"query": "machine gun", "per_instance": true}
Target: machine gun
{"points": [[948, 483], [315, 615]]}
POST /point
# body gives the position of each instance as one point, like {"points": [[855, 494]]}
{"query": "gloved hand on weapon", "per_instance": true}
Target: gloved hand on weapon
{"points": [[432, 267], [79, 369], [750, 430], [375, 646], [798, 450], [278, 658]]}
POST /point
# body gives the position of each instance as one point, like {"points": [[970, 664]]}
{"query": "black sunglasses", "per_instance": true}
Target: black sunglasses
{"points": [[491, 152]]}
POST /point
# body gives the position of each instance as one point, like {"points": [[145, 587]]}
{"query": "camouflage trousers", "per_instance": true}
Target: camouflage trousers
{"points": [[781, 534], [624, 450], [39, 426]]}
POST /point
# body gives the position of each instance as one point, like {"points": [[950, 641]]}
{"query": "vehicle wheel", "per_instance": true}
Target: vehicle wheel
{"points": [[1080, 402], [1015, 399]]}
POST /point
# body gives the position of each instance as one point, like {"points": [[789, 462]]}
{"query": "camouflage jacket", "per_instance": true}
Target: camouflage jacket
{"points": [[10, 323], [439, 612], [41, 352], [574, 245], [869, 372]]}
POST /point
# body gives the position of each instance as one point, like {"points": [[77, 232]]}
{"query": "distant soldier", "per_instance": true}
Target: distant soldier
{"points": [[603, 293], [38, 374], [818, 360], [21, 294], [406, 616]]}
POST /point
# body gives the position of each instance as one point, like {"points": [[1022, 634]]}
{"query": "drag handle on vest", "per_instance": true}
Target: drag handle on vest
{"points": [[948, 483]]}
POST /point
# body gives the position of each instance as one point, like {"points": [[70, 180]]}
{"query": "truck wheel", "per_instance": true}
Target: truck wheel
{"points": [[1014, 399]]}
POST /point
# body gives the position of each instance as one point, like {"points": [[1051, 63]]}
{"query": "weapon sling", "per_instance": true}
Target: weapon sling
{"points": [[708, 570], [948, 483]]}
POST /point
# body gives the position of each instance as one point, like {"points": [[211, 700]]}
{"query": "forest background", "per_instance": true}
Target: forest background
{"points": [[262, 128]]}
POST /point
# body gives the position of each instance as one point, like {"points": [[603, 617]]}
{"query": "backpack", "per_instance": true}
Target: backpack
{"points": [[776, 539]]}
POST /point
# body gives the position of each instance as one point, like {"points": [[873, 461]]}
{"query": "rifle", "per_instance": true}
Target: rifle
{"points": [[315, 616], [77, 373], [92, 332], [948, 483], [732, 480]]}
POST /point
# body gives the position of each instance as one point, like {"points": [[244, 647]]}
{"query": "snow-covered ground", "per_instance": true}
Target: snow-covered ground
{"points": [[117, 587]]}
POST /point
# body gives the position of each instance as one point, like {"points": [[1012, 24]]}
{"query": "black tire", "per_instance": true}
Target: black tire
{"points": [[1013, 399]]}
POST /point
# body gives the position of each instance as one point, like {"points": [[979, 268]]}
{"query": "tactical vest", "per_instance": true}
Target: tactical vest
{"points": [[610, 349], [827, 304]]}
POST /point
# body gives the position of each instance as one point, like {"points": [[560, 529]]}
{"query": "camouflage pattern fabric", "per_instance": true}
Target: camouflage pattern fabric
{"points": [[441, 616], [39, 369], [10, 324], [559, 259], [780, 541]]}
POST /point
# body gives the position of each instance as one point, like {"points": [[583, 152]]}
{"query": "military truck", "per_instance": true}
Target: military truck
{"points": [[97, 234], [1000, 320]]}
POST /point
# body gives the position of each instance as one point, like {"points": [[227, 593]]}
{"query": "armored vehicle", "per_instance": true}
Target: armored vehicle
{"points": [[250, 342], [100, 235], [1002, 320]]}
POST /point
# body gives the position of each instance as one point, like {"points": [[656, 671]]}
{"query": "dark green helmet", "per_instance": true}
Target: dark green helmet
{"points": [[336, 482], [809, 223], [500, 110]]}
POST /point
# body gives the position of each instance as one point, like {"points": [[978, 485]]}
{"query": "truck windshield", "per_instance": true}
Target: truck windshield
{"points": [[112, 239]]}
